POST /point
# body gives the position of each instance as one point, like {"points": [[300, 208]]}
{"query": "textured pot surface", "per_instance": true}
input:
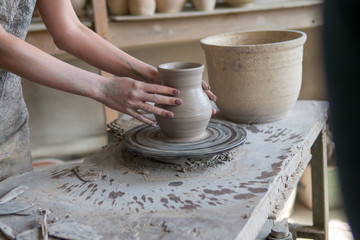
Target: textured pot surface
{"points": [[169, 6], [79, 7], [239, 3], [142, 7], [118, 7], [193, 115], [256, 75], [204, 5]]}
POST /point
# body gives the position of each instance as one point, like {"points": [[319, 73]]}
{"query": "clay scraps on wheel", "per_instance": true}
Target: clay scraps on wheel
{"points": [[16, 205], [13, 194], [6, 231], [87, 173], [69, 229]]}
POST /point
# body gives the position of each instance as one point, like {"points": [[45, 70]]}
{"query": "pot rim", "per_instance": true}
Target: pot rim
{"points": [[177, 66], [295, 42]]}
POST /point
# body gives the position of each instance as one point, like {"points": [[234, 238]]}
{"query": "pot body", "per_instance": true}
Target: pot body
{"points": [[118, 7], [256, 75], [193, 115], [142, 7], [204, 5], [169, 6], [239, 3], [79, 7]]}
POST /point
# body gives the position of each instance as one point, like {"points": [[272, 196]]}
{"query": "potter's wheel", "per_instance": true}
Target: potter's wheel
{"points": [[220, 136]]}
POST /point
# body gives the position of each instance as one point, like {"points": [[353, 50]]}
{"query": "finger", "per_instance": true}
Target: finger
{"points": [[156, 79], [160, 99], [204, 85], [141, 117], [159, 89], [214, 111], [211, 95], [155, 110]]}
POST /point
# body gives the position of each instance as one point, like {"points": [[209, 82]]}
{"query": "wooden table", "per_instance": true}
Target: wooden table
{"points": [[138, 198]]}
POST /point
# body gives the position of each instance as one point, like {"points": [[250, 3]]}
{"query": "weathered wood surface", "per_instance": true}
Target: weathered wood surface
{"points": [[138, 199]]}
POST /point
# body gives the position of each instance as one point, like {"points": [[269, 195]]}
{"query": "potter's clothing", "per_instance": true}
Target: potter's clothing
{"points": [[15, 158]]}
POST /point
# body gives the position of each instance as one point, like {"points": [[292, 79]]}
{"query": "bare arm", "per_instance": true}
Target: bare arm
{"points": [[72, 36], [122, 94]]}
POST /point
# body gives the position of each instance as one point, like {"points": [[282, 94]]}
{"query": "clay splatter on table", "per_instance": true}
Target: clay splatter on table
{"points": [[214, 198]]}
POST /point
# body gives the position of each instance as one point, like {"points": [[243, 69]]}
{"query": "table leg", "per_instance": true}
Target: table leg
{"points": [[101, 25], [320, 203], [319, 181]]}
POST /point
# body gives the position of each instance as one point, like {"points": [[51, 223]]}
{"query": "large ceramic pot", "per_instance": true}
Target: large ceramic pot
{"points": [[193, 115], [169, 6], [118, 7], [256, 75], [142, 7], [204, 5]]}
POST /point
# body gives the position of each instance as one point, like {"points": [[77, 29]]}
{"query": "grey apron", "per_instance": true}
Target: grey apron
{"points": [[15, 157]]}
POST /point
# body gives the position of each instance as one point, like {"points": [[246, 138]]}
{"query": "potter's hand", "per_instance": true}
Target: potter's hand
{"points": [[211, 96], [129, 96]]}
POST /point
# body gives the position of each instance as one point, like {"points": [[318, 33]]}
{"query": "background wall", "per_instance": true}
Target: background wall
{"points": [[67, 126]]}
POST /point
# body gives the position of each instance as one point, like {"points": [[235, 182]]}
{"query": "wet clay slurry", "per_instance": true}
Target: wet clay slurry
{"points": [[193, 115]]}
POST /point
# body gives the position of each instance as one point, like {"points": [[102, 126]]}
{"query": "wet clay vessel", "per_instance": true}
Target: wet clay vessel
{"points": [[169, 6], [142, 7], [118, 7], [79, 7], [256, 75], [204, 5], [193, 115], [239, 3]]}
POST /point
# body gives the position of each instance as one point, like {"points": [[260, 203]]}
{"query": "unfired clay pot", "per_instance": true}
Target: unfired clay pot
{"points": [[239, 3], [204, 5], [79, 7], [256, 75], [118, 7], [169, 6], [142, 7], [193, 115]]}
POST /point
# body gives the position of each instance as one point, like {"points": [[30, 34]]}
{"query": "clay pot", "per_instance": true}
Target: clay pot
{"points": [[193, 115], [204, 5], [142, 7], [79, 7], [256, 75], [169, 6], [239, 3], [118, 7]]}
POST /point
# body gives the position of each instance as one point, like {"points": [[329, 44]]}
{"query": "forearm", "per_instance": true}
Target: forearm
{"points": [[122, 94], [23, 59], [72, 36], [90, 47]]}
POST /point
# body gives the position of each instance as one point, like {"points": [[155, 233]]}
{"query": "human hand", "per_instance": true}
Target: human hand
{"points": [[211, 96], [156, 79], [129, 96]]}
